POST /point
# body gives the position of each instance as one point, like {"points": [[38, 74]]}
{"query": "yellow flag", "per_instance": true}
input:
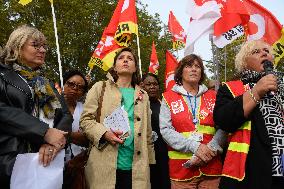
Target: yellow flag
{"points": [[278, 48], [25, 2]]}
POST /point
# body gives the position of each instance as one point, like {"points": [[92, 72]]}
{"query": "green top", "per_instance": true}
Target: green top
{"points": [[126, 150]]}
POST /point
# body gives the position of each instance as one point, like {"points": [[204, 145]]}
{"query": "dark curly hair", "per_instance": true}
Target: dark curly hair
{"points": [[150, 74], [188, 61], [136, 75], [67, 75]]}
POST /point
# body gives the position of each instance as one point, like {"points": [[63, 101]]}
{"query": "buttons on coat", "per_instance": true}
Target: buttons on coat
{"points": [[138, 153], [139, 134], [138, 118]]}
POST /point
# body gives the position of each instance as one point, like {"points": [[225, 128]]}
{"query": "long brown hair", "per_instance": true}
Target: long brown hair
{"points": [[188, 61], [135, 76]]}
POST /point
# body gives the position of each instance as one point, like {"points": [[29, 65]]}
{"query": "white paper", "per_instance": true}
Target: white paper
{"points": [[28, 173], [118, 120]]}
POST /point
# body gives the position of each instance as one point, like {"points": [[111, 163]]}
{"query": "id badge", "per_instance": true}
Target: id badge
{"points": [[197, 136]]}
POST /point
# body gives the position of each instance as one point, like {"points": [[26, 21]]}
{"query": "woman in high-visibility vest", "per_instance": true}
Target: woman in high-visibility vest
{"points": [[251, 109], [186, 124]]}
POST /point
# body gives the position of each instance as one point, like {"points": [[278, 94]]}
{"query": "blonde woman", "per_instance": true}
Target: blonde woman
{"points": [[29, 105], [254, 116], [113, 162]]}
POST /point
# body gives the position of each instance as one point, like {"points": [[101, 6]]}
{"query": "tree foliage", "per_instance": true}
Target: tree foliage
{"points": [[80, 24], [225, 58]]}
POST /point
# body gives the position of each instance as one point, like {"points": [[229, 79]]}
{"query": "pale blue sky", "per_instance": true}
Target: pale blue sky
{"points": [[202, 47]]}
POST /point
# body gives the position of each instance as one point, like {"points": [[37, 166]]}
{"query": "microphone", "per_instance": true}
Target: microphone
{"points": [[268, 69]]}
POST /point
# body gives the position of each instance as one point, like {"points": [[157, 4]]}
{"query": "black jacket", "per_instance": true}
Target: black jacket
{"points": [[19, 130], [229, 116]]}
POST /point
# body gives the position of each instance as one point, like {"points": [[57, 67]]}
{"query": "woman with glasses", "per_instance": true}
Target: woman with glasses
{"points": [[251, 110], [115, 162], [75, 87], [31, 110]]}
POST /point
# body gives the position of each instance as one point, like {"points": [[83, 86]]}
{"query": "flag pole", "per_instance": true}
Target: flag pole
{"points": [[216, 62], [139, 59], [57, 44]]}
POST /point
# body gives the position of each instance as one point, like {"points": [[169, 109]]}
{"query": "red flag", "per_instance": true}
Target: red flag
{"points": [[260, 25], [178, 33], [171, 65], [154, 63], [116, 35], [233, 13], [104, 53], [263, 25], [127, 22]]}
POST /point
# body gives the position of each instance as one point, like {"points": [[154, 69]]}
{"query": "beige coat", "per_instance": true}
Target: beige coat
{"points": [[101, 166]]}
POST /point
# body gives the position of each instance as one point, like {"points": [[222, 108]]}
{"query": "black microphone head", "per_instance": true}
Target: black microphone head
{"points": [[267, 66]]}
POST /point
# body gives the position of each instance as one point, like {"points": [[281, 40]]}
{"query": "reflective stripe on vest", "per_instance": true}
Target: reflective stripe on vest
{"points": [[234, 164], [182, 121], [201, 129]]}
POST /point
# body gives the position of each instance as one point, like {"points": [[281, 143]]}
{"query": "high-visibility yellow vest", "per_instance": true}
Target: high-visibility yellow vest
{"points": [[182, 121], [239, 141]]}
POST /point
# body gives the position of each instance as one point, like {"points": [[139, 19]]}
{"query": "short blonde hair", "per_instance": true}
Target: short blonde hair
{"points": [[245, 51], [17, 39]]}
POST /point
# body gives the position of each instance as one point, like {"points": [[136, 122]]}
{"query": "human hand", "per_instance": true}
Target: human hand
{"points": [[56, 138], [204, 153], [264, 85], [196, 161], [113, 137], [46, 154]]}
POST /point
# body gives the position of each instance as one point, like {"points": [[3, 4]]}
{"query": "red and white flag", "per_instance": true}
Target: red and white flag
{"points": [[261, 24], [171, 65], [178, 33], [202, 16], [213, 17], [116, 35], [154, 63]]}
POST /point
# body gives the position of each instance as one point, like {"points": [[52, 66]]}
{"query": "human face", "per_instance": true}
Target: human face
{"points": [[33, 53], [74, 88], [259, 53], [125, 64], [151, 86], [191, 74]]}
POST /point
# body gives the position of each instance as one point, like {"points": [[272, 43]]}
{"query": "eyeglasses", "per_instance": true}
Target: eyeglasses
{"points": [[37, 46], [74, 85]]}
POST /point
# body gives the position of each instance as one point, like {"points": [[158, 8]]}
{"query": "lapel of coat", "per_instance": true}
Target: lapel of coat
{"points": [[12, 78]]}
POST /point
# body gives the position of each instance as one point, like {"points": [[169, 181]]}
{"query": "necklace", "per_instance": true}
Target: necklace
{"points": [[193, 109]]}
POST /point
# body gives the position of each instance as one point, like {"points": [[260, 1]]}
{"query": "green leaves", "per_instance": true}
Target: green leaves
{"points": [[80, 24]]}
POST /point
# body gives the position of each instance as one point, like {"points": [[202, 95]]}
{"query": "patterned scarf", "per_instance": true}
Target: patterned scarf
{"points": [[43, 91], [272, 110]]}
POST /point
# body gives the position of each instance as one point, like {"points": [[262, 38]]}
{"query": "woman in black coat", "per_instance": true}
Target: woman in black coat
{"points": [[31, 111], [251, 109], [159, 171]]}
